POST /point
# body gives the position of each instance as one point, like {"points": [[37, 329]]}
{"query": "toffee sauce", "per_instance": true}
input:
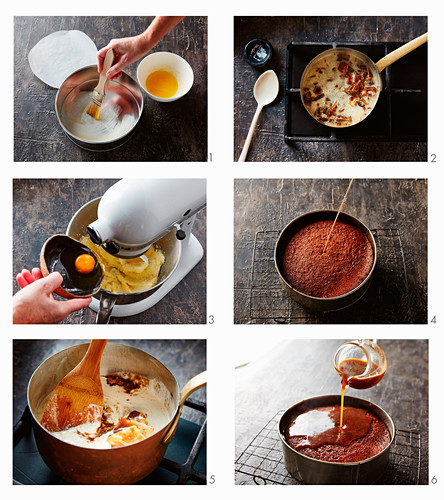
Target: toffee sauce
{"points": [[321, 427], [61, 254], [350, 369]]}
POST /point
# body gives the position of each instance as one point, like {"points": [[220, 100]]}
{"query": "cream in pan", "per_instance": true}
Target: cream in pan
{"points": [[134, 409], [339, 90]]}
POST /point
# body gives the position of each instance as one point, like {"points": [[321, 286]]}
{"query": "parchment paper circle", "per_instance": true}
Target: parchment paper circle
{"points": [[59, 54]]}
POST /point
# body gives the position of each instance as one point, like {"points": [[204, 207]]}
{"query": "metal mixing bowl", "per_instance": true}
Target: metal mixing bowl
{"points": [[312, 471], [170, 245], [319, 303], [120, 112]]}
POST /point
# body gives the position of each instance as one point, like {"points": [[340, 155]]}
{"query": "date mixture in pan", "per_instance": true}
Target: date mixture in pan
{"points": [[339, 90]]}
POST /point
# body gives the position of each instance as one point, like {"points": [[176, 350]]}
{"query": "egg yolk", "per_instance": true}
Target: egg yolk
{"points": [[85, 263], [161, 83]]}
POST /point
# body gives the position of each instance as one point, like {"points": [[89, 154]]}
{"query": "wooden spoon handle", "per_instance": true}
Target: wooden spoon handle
{"points": [[246, 147], [90, 364], [401, 51], [109, 58]]}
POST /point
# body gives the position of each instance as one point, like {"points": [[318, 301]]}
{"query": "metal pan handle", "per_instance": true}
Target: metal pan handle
{"points": [[401, 51], [107, 303], [192, 385]]}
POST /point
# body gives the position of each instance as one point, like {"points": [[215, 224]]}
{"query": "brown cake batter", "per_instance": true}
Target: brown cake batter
{"points": [[345, 264], [316, 434]]}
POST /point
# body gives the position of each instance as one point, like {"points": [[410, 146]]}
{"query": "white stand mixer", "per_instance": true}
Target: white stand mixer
{"points": [[135, 213]]}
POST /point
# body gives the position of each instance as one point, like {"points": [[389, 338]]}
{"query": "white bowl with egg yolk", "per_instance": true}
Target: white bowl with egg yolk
{"points": [[170, 76]]}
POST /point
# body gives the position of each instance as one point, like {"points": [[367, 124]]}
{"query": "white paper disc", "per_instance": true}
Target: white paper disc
{"points": [[59, 54]]}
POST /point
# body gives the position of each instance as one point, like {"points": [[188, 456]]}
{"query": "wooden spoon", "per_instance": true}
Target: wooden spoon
{"points": [[265, 92], [78, 399]]}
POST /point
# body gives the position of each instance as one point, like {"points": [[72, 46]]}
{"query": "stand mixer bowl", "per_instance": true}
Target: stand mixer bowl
{"points": [[170, 245]]}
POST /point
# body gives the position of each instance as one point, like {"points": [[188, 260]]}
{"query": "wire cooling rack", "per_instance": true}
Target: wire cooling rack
{"points": [[262, 461], [387, 300]]}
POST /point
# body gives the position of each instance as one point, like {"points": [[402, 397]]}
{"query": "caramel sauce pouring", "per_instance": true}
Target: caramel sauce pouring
{"points": [[361, 365]]}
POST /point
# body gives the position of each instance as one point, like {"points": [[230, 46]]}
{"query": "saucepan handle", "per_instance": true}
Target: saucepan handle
{"points": [[105, 309], [192, 385]]}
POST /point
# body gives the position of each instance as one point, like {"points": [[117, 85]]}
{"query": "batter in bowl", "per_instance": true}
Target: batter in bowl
{"points": [[128, 275]]}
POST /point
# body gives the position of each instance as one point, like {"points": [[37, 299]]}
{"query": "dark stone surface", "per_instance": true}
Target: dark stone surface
{"points": [[301, 369], [395, 208], [43, 207], [184, 358], [268, 141], [175, 131]]}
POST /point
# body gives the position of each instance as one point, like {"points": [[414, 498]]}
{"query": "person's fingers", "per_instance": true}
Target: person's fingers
{"points": [[100, 57], [68, 306], [37, 273], [50, 283], [25, 278], [22, 282], [116, 70]]}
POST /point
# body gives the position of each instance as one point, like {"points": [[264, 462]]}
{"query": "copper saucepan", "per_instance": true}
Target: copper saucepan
{"points": [[342, 54], [121, 465]]}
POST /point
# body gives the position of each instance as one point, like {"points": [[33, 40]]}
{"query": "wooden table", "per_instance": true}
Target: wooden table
{"points": [[44, 207], [300, 369], [394, 209], [268, 141], [29, 354], [175, 131]]}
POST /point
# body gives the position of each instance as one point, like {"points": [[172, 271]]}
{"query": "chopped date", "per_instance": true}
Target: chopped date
{"points": [[343, 67], [307, 97], [319, 96]]}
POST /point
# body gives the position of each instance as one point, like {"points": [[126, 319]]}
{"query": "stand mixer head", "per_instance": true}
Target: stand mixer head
{"points": [[135, 213]]}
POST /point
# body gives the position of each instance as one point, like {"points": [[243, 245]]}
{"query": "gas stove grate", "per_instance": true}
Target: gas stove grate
{"points": [[403, 97], [387, 299], [262, 461], [189, 471]]}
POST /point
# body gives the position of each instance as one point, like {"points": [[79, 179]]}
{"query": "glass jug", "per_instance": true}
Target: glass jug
{"points": [[360, 363]]}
